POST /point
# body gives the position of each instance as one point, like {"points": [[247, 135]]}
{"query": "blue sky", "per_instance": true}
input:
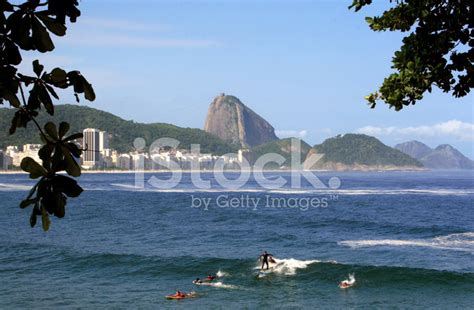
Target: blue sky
{"points": [[305, 66]]}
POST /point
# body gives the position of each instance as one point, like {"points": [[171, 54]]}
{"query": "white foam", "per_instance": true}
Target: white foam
{"points": [[14, 187], [350, 280], [457, 242], [349, 192], [221, 274], [218, 284], [222, 285], [288, 266]]}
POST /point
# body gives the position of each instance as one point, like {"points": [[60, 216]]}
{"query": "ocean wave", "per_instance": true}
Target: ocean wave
{"points": [[290, 191], [282, 191], [221, 274], [125, 266], [289, 266], [219, 285], [456, 242], [14, 187]]}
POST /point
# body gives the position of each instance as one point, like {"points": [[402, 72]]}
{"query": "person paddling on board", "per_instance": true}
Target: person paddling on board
{"points": [[210, 278], [180, 294], [265, 257]]}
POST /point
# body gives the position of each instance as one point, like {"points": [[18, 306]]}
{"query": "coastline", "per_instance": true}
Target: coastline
{"points": [[375, 169]]}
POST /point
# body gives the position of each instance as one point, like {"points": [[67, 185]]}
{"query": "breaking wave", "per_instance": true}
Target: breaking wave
{"points": [[457, 242]]}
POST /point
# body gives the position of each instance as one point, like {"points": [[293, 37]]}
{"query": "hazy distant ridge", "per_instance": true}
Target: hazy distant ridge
{"points": [[443, 156]]}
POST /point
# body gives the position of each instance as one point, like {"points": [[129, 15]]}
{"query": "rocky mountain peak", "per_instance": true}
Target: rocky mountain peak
{"points": [[231, 120]]}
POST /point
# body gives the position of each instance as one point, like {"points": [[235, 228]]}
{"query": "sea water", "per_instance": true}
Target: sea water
{"points": [[407, 237]]}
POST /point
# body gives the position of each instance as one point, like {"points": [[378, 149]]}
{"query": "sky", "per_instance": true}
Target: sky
{"points": [[304, 66]]}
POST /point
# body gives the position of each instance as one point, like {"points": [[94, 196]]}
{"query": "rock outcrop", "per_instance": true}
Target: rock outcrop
{"points": [[232, 121]]}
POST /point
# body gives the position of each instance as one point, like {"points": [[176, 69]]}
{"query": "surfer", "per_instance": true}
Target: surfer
{"points": [[197, 281], [265, 258], [210, 278], [348, 282], [180, 294], [344, 284]]}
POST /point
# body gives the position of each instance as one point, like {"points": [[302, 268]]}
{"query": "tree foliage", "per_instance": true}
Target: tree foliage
{"points": [[352, 149], [28, 27], [282, 147], [438, 51]]}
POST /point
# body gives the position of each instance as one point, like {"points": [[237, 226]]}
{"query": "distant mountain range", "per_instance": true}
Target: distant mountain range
{"points": [[442, 157], [360, 152], [230, 125]]}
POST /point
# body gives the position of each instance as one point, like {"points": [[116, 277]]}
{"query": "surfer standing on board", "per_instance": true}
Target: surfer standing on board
{"points": [[265, 258]]}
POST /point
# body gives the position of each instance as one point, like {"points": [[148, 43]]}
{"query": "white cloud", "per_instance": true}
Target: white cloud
{"points": [[454, 129], [291, 133]]}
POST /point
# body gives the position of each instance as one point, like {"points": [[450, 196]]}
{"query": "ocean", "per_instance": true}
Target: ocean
{"points": [[407, 237]]}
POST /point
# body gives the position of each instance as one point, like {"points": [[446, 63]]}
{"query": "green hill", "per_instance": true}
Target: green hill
{"points": [[360, 150], [122, 132], [282, 147]]}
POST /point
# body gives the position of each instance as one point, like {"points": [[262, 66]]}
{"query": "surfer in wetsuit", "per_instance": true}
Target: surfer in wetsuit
{"points": [[265, 257]]}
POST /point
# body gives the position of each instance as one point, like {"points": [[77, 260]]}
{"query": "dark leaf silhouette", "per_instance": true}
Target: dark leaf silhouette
{"points": [[28, 26]]}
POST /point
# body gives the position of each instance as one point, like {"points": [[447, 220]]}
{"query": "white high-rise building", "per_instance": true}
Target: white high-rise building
{"points": [[103, 141], [91, 157]]}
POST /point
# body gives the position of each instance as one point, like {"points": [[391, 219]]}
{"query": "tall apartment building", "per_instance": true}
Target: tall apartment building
{"points": [[103, 141], [91, 157]]}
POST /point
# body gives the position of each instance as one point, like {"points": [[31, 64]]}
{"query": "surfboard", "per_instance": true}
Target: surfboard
{"points": [[189, 295], [203, 283], [264, 273]]}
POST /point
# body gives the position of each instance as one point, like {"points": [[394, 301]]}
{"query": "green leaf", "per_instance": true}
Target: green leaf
{"points": [[63, 129], [45, 219], [58, 78], [46, 99], [25, 203], [33, 218], [75, 150], [54, 26], [12, 52], [74, 137], [52, 91], [68, 186], [11, 97], [72, 167], [41, 37], [50, 129], [28, 164], [14, 123], [20, 26], [45, 152], [37, 67], [88, 90], [60, 210]]}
